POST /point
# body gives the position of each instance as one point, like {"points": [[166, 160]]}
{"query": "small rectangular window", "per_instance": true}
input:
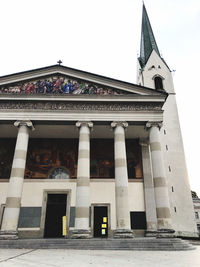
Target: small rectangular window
{"points": [[175, 209], [196, 215], [172, 189], [170, 169], [167, 147]]}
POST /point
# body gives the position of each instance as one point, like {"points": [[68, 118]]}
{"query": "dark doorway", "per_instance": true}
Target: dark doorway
{"points": [[101, 221], [138, 220], [56, 209]]}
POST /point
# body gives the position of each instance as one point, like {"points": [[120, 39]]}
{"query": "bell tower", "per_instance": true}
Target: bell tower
{"points": [[153, 72]]}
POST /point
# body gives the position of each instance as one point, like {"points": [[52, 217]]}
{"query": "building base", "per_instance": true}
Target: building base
{"points": [[187, 234], [81, 234], [165, 233], [8, 235], [123, 233], [131, 244], [151, 233]]}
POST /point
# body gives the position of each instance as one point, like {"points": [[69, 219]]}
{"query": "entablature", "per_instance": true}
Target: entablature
{"points": [[136, 116]]}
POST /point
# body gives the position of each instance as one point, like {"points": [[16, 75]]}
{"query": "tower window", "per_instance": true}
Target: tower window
{"points": [[158, 83]]}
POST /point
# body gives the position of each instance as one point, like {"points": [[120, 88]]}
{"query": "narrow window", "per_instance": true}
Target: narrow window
{"points": [[170, 169], [158, 83], [2, 209], [165, 132], [175, 209], [172, 189], [167, 147]]}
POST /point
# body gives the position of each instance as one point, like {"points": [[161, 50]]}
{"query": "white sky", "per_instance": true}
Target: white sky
{"points": [[103, 37]]}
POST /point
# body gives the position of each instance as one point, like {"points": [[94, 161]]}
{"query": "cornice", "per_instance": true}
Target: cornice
{"points": [[87, 98], [66, 115]]}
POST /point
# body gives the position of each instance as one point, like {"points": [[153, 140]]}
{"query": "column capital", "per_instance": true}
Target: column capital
{"points": [[150, 124], [89, 124], [124, 124], [144, 142], [26, 123]]}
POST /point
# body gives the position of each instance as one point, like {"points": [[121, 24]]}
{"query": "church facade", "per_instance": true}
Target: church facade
{"points": [[84, 155]]}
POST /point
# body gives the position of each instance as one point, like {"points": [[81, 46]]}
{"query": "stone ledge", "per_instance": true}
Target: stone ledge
{"points": [[81, 234], [123, 233], [8, 235]]}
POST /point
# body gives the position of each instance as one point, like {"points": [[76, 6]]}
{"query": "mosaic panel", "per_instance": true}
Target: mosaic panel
{"points": [[52, 159], [59, 85], [57, 158], [7, 147]]}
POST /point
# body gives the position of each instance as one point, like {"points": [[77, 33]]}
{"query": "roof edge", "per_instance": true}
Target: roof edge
{"points": [[61, 67]]}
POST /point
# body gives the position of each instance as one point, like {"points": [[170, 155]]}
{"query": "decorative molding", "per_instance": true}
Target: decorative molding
{"points": [[62, 105], [150, 124], [24, 123], [92, 115], [124, 124], [89, 124], [158, 75]]}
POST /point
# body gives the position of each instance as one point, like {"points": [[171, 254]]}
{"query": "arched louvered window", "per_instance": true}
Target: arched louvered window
{"points": [[158, 82]]}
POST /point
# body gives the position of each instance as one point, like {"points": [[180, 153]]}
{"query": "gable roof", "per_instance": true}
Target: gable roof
{"points": [[42, 73]]}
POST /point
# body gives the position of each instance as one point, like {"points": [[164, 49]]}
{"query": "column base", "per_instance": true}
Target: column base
{"points": [[151, 233], [165, 233], [8, 235], [123, 233], [81, 234]]}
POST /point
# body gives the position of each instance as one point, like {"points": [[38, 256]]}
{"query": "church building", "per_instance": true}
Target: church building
{"points": [[87, 156]]}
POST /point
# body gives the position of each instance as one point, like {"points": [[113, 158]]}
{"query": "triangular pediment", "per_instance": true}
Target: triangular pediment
{"points": [[60, 80], [59, 84]]}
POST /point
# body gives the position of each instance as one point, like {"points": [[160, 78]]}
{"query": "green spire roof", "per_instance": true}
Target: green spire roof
{"points": [[148, 41]]}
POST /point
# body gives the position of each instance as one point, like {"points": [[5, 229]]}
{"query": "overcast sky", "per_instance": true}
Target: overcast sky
{"points": [[103, 37]]}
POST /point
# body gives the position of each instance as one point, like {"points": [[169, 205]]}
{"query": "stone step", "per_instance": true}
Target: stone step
{"points": [[92, 241], [100, 244]]}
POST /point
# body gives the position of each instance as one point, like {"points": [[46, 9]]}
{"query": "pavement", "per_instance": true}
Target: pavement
{"points": [[97, 258]]}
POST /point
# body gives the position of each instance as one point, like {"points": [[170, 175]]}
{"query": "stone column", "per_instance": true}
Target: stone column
{"points": [[149, 194], [123, 228], [160, 182], [82, 229], [14, 194]]}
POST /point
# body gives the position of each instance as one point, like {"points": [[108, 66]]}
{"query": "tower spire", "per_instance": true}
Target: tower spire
{"points": [[148, 41]]}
